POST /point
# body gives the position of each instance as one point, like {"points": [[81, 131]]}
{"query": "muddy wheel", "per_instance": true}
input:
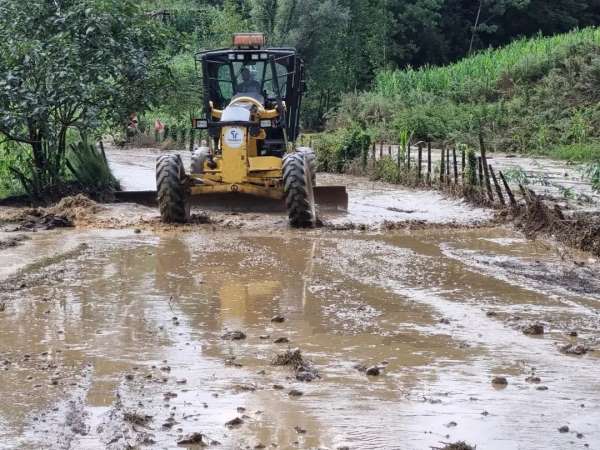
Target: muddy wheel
{"points": [[312, 160], [173, 198], [298, 188]]}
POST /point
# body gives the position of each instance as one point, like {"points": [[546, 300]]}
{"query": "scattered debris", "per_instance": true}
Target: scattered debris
{"points": [[455, 446], [572, 349], [295, 393], [281, 340], [12, 241], [373, 371], [293, 358], [533, 379], [135, 418], [278, 319], [499, 381], [234, 336], [234, 423], [534, 329], [194, 439], [563, 429]]}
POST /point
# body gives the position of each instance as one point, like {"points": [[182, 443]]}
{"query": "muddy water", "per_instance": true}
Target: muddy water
{"points": [[120, 341]]}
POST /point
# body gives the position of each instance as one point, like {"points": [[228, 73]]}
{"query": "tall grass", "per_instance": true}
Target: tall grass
{"points": [[90, 168], [521, 59]]}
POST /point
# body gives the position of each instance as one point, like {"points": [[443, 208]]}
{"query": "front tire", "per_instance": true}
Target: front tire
{"points": [[173, 197], [298, 178]]}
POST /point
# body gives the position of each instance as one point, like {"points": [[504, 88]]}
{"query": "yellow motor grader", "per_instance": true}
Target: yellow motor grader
{"points": [[252, 100]]}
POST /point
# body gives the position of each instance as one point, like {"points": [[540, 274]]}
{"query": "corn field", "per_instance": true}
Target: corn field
{"points": [[484, 70]]}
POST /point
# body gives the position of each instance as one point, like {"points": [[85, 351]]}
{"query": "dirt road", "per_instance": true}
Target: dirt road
{"points": [[140, 336]]}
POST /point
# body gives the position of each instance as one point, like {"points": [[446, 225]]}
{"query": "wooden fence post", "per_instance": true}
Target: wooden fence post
{"points": [[455, 167], [420, 161], [390, 150], [373, 150], [463, 162], [442, 164], [498, 189], [448, 178], [480, 169], [408, 156], [429, 162], [511, 196], [381, 150]]}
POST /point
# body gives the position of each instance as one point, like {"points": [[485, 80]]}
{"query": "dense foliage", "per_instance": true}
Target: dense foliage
{"points": [[70, 65], [534, 95], [72, 70]]}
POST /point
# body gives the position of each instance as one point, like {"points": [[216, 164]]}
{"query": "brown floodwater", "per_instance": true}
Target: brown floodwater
{"points": [[118, 342]]}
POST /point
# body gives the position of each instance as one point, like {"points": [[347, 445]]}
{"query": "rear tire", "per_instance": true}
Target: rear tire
{"points": [[173, 196], [298, 187]]}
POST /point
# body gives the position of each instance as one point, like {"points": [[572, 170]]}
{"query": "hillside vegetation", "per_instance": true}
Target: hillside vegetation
{"points": [[538, 95]]}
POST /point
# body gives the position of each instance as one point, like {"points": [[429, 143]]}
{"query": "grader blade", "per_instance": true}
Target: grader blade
{"points": [[331, 197], [326, 197]]}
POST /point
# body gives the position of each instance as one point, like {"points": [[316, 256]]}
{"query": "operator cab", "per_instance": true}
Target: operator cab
{"points": [[274, 77]]}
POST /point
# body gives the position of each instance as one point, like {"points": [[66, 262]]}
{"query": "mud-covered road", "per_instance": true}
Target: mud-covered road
{"points": [[412, 332]]}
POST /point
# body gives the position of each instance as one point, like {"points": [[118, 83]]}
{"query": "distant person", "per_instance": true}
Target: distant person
{"points": [[248, 85]]}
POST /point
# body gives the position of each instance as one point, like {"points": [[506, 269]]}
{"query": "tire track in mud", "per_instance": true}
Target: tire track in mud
{"points": [[507, 351]]}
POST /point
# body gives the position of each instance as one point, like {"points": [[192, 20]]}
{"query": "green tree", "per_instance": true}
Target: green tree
{"points": [[71, 64]]}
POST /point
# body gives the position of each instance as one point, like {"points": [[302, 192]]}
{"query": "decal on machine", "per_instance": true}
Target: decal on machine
{"points": [[234, 137]]}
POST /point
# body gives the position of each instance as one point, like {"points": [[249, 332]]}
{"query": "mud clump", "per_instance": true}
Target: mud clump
{"points": [[135, 418], [12, 241], [194, 439], [581, 231], [534, 329], [374, 371], [278, 319], [234, 336], [234, 423], [499, 382], [563, 429], [572, 349], [64, 214], [293, 358], [74, 208], [455, 446], [44, 221]]}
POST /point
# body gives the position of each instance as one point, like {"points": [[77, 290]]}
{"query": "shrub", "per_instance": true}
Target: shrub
{"points": [[90, 168], [336, 150]]}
